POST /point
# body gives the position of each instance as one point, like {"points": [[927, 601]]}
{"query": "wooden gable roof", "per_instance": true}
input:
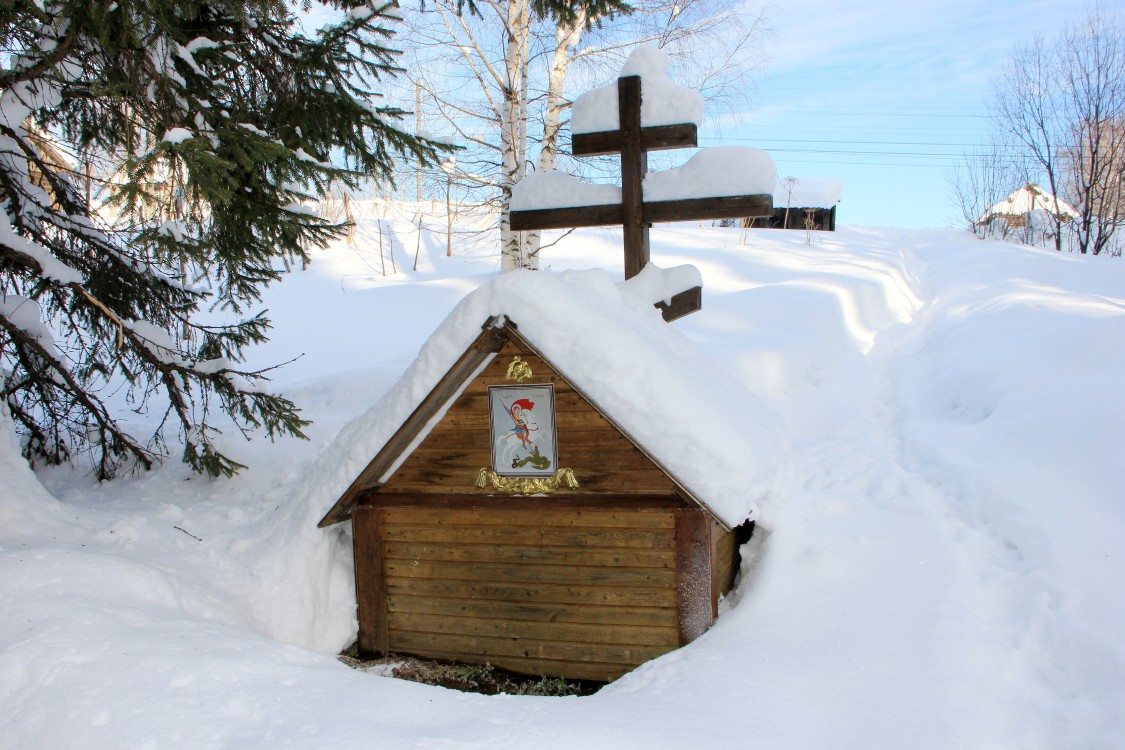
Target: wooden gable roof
{"points": [[444, 443]]}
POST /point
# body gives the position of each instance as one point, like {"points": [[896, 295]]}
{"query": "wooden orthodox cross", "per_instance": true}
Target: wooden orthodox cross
{"points": [[633, 142]]}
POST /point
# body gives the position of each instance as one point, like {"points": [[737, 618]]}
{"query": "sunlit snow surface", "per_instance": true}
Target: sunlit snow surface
{"points": [[939, 565]]}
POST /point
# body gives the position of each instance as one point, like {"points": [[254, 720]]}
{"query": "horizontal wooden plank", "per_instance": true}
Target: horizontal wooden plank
{"points": [[570, 575], [616, 538], [565, 218], [528, 554], [533, 630], [475, 500], [590, 614], [653, 212], [626, 596], [484, 647], [654, 138], [545, 518], [695, 209]]}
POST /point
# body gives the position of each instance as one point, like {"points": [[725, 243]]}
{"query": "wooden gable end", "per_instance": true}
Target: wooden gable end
{"points": [[603, 459]]}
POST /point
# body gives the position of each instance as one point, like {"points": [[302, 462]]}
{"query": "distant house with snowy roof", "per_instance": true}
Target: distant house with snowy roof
{"points": [[558, 485], [802, 203], [1017, 207]]}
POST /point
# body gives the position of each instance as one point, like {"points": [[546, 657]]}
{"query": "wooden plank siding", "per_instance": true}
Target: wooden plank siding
{"points": [[604, 461], [584, 583], [581, 593]]}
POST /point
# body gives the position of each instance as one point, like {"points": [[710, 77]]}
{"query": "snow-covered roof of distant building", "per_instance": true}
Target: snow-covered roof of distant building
{"points": [[807, 192], [713, 436], [1030, 198]]}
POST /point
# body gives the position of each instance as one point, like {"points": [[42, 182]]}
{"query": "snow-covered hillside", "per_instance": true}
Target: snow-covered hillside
{"points": [[940, 566]]}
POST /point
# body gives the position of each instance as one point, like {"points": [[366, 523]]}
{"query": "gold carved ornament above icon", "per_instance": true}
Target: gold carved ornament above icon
{"points": [[518, 371]]}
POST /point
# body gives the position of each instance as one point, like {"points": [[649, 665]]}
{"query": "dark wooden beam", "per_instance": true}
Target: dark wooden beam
{"points": [[694, 209], [634, 165], [684, 303], [370, 587], [566, 218], [690, 209], [657, 138]]}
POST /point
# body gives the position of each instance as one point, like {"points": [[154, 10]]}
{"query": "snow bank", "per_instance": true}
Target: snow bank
{"points": [[944, 570]]}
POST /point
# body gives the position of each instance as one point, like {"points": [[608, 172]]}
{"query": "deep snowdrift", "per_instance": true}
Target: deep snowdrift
{"points": [[939, 566]]}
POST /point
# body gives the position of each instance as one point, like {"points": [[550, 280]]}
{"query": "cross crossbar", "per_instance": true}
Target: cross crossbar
{"points": [[634, 214]]}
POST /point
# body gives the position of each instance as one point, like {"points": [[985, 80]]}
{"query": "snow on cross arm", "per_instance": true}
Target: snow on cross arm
{"points": [[555, 189], [808, 192], [662, 101], [714, 173]]}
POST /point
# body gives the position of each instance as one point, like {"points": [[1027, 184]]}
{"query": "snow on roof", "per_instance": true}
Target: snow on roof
{"points": [[807, 192], [1027, 199], [662, 101], [718, 440]]}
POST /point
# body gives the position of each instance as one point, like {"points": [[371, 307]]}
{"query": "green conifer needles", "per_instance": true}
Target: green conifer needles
{"points": [[156, 162]]}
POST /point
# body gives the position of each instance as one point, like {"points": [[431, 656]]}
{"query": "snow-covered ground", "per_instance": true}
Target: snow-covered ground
{"points": [[940, 567]]}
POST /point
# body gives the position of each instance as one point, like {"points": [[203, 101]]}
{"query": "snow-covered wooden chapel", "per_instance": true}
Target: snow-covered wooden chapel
{"points": [[559, 484]]}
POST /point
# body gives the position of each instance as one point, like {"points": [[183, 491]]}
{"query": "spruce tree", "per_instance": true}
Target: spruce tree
{"points": [[212, 124]]}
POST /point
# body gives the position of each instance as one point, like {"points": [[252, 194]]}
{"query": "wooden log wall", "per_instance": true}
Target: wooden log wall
{"points": [[581, 593]]}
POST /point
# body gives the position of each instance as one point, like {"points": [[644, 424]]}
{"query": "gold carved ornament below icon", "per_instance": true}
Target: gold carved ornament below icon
{"points": [[518, 371], [526, 485]]}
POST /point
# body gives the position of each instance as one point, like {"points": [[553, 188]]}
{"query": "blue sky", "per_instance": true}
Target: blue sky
{"points": [[884, 95]]}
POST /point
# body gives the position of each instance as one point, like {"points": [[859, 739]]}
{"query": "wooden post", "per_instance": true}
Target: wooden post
{"points": [[634, 165], [694, 586], [371, 593]]}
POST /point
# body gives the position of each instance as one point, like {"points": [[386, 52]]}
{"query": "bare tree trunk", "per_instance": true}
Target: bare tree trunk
{"points": [[566, 39], [1026, 107], [513, 130], [984, 178], [1092, 69]]}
